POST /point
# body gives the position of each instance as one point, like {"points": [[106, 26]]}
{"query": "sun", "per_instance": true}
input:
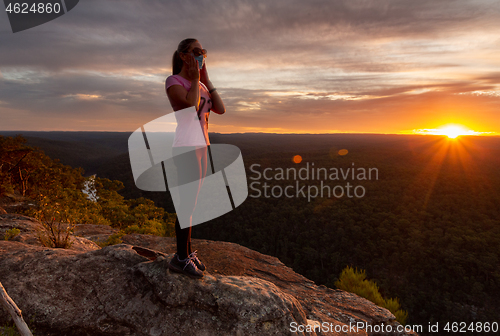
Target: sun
{"points": [[452, 131]]}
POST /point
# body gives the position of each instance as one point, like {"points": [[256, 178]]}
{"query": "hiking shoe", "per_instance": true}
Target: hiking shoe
{"points": [[185, 266], [197, 261]]}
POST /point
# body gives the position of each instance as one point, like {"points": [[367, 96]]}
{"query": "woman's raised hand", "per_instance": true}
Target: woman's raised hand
{"points": [[193, 69], [204, 74]]}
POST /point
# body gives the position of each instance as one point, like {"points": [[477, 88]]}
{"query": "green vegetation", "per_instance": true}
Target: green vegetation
{"points": [[9, 331], [354, 281], [11, 233], [115, 238], [59, 202]]}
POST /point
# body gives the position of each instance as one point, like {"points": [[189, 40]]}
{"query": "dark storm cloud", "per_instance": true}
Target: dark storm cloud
{"points": [[141, 34]]}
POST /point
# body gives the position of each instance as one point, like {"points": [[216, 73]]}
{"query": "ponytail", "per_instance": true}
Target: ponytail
{"points": [[176, 63], [176, 58]]}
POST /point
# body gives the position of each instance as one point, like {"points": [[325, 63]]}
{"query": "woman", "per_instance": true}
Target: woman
{"points": [[189, 86]]}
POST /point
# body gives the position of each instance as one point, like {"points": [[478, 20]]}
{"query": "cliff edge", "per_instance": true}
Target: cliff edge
{"points": [[127, 289]]}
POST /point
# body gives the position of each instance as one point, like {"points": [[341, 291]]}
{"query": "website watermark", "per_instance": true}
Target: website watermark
{"points": [[310, 182], [362, 326], [198, 195], [356, 327], [27, 14]]}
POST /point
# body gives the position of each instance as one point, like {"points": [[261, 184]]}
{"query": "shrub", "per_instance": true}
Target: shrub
{"points": [[169, 225], [11, 233], [354, 281], [395, 308], [56, 234], [56, 219], [9, 331], [151, 227], [58, 210], [115, 238]]}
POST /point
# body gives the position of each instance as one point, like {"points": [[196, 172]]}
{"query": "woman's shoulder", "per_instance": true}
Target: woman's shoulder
{"points": [[177, 80], [174, 79]]}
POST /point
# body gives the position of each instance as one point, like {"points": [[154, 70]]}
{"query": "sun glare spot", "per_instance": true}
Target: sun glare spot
{"points": [[452, 131]]}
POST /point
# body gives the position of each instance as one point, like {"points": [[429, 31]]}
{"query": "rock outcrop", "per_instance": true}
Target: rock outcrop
{"points": [[12, 203], [127, 289]]}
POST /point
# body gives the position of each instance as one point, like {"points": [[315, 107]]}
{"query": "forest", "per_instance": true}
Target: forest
{"points": [[427, 229]]}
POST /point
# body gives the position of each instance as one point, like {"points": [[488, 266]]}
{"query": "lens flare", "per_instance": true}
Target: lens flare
{"points": [[297, 159], [343, 152]]}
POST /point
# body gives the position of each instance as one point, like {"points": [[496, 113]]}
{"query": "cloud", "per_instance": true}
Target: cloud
{"points": [[348, 60], [123, 34]]}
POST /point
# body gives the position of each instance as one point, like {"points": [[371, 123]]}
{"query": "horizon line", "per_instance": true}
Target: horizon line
{"points": [[284, 133]]}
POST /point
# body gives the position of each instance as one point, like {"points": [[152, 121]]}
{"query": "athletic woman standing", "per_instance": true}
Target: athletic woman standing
{"points": [[189, 86]]}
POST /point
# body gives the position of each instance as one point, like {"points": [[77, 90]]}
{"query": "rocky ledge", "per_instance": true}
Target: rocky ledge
{"points": [[127, 289]]}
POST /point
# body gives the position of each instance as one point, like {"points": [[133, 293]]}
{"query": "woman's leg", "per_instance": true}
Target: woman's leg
{"points": [[201, 154], [183, 238], [186, 162], [192, 162]]}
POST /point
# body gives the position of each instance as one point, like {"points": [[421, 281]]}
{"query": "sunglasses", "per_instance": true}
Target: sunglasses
{"points": [[198, 52]]}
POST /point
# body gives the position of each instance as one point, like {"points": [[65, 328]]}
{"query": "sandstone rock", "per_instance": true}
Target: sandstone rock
{"points": [[13, 203], [126, 289], [96, 233], [115, 291], [320, 303]]}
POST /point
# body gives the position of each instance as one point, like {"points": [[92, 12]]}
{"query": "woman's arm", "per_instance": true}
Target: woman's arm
{"points": [[217, 104], [180, 98]]}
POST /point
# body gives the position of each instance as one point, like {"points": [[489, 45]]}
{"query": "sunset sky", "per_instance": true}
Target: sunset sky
{"points": [[280, 66]]}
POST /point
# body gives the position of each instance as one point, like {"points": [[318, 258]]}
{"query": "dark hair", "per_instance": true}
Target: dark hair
{"points": [[176, 59]]}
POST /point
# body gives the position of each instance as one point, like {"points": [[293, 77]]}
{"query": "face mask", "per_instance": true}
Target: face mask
{"points": [[201, 60]]}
